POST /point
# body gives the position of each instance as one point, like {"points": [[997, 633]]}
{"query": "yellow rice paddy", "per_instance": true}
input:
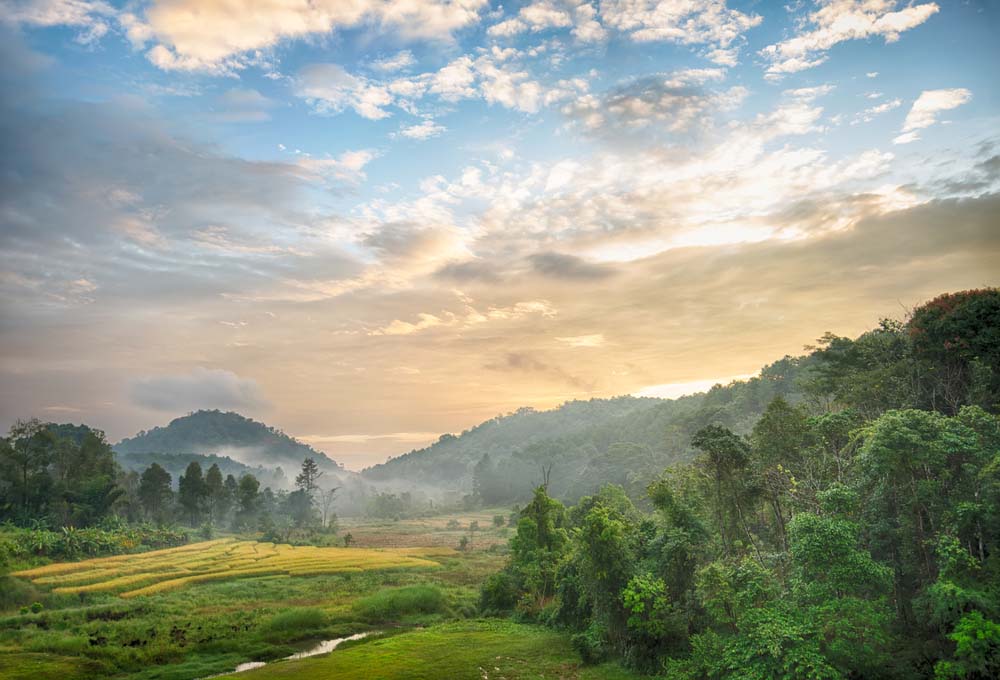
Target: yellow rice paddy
{"points": [[220, 560]]}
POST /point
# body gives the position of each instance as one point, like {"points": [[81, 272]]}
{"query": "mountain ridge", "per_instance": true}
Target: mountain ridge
{"points": [[227, 434]]}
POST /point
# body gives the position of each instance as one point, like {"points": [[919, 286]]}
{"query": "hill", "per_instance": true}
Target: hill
{"points": [[583, 445], [227, 434]]}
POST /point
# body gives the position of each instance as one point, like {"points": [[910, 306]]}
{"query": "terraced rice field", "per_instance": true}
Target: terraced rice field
{"points": [[159, 571]]}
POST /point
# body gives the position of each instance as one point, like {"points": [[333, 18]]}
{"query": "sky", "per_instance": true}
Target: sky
{"points": [[369, 222]]}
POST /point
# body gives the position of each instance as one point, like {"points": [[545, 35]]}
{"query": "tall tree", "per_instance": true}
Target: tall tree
{"points": [[193, 493], [155, 492], [24, 459], [215, 492], [247, 497], [307, 480]]}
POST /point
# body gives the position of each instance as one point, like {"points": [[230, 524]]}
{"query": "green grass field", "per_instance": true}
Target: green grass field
{"points": [[472, 650], [204, 608]]}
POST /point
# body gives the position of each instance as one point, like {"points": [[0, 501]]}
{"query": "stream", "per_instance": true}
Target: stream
{"points": [[323, 647]]}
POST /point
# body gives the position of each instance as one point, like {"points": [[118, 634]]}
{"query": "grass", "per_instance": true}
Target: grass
{"points": [[202, 609], [473, 650], [196, 630], [397, 603], [160, 571]]}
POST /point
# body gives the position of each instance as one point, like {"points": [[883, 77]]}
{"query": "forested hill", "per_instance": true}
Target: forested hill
{"points": [[224, 433], [583, 445]]}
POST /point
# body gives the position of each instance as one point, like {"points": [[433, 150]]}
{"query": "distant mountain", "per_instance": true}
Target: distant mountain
{"points": [[582, 445], [226, 434]]}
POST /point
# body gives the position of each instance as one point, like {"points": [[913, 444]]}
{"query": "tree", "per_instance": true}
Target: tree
{"points": [[155, 492], [539, 544], [215, 492], [780, 442], [25, 456], [298, 506], [326, 498], [247, 498], [308, 478], [958, 335], [192, 493], [725, 458]]}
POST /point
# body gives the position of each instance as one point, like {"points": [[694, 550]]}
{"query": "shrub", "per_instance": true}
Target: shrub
{"points": [[499, 593], [293, 624], [391, 605], [591, 645]]}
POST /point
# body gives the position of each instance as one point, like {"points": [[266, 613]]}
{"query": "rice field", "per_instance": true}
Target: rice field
{"points": [[159, 571]]}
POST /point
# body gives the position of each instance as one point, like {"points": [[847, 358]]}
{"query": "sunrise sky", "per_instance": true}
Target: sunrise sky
{"points": [[369, 222]]}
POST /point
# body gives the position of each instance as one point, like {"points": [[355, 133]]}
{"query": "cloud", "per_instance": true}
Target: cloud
{"points": [[561, 266], [243, 105], [527, 363], [330, 89], [836, 21], [872, 112], [536, 16], [397, 62], [592, 340], [422, 130], [924, 111], [226, 36], [93, 18], [674, 103], [491, 76], [710, 22], [202, 388]]}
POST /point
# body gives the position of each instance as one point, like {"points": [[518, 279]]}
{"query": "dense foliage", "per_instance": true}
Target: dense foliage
{"points": [[852, 532]]}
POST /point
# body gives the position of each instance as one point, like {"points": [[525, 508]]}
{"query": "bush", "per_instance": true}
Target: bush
{"points": [[499, 593], [391, 605], [294, 623], [591, 645]]}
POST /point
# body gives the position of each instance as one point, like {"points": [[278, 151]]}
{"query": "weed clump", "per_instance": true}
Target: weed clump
{"points": [[397, 603]]}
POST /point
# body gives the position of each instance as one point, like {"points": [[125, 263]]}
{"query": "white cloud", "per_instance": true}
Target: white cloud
{"points": [[227, 35], [870, 113], [397, 62], [91, 17], [710, 22], [924, 111], [837, 21], [331, 89], [348, 166], [493, 76], [423, 130]]}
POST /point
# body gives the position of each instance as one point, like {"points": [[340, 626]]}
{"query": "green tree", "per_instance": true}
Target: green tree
{"points": [[155, 492], [192, 493], [780, 444], [24, 458], [307, 480], [215, 493], [724, 460], [248, 502], [537, 547]]}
